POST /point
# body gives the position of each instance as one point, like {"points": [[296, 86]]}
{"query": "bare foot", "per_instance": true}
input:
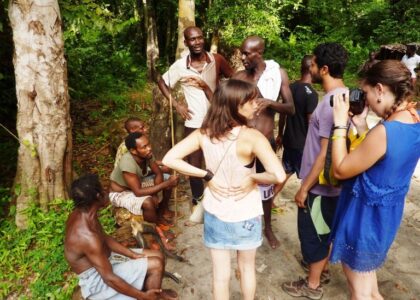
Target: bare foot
{"points": [[271, 238], [168, 294], [165, 241]]}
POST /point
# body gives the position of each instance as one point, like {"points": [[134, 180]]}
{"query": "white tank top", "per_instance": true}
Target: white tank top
{"points": [[230, 173]]}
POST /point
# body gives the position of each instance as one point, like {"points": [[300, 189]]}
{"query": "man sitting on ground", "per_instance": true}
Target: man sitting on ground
{"points": [[106, 269], [134, 124], [137, 179]]}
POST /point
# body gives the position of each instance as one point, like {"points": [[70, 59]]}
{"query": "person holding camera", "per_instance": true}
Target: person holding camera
{"points": [[316, 203], [377, 175]]}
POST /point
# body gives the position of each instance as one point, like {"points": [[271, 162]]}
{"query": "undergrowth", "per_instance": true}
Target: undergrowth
{"points": [[32, 263]]}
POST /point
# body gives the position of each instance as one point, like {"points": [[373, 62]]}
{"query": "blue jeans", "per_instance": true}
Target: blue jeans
{"points": [[242, 235]]}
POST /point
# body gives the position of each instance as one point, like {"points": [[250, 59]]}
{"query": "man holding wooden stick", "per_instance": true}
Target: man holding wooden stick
{"points": [[199, 74]]}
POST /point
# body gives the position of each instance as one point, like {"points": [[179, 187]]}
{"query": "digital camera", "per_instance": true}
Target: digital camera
{"points": [[356, 101]]}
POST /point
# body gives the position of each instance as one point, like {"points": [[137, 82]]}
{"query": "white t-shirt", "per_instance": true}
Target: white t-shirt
{"points": [[411, 63], [196, 98]]}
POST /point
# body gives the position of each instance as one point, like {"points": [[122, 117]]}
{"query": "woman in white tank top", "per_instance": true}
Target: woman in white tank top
{"points": [[232, 202]]}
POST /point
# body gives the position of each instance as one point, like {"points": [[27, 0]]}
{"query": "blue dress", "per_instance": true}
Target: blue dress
{"points": [[371, 205]]}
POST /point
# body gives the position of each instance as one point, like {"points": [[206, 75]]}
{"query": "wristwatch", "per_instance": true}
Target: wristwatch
{"points": [[208, 176]]}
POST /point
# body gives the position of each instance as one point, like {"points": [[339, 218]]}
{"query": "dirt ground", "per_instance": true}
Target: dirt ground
{"points": [[399, 278]]}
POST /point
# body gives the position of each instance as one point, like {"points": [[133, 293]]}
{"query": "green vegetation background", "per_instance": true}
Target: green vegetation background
{"points": [[105, 44]]}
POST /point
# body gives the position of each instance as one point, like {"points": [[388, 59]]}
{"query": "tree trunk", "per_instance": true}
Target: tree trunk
{"points": [[160, 132], [214, 42], [168, 40], [43, 119], [186, 18], [152, 50]]}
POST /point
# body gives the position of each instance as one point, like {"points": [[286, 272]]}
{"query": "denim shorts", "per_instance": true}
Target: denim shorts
{"points": [[242, 235]]}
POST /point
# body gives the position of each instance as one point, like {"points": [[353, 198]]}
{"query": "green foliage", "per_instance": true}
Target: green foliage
{"points": [[32, 263], [293, 28], [238, 19], [101, 51], [400, 24]]}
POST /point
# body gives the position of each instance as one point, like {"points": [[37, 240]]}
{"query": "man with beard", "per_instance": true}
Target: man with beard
{"points": [[317, 203], [272, 82], [199, 73], [130, 184]]}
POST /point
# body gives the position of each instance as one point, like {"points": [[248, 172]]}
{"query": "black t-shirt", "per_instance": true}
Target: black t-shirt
{"points": [[306, 100]]}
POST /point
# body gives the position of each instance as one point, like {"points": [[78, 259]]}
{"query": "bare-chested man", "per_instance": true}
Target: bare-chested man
{"points": [[106, 269], [199, 73], [273, 82]]}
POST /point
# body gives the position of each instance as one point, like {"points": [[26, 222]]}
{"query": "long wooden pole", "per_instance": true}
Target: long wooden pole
{"points": [[171, 118]]}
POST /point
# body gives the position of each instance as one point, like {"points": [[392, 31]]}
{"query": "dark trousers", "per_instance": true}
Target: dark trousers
{"points": [[196, 159], [315, 246]]}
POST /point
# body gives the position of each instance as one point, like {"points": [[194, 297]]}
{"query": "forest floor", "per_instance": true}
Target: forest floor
{"points": [[399, 278]]}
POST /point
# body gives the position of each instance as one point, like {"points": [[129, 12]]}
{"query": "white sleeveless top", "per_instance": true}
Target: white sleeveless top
{"points": [[230, 173]]}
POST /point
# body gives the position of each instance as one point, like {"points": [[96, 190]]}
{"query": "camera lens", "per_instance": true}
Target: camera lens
{"points": [[356, 101]]}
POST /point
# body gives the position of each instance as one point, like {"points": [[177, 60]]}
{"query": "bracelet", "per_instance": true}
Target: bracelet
{"points": [[340, 127], [336, 137], [208, 176]]}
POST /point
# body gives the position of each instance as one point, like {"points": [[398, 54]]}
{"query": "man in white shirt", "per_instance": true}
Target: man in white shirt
{"points": [[199, 73], [412, 61]]}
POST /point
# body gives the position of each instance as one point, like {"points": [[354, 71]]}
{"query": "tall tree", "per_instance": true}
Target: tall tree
{"points": [[43, 119], [186, 18], [152, 50]]}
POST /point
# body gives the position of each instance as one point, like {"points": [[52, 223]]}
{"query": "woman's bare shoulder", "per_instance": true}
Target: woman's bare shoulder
{"points": [[251, 133]]}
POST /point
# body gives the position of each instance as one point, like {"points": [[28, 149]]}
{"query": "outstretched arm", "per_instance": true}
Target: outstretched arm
{"points": [[199, 83], [120, 249], [134, 184]]}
